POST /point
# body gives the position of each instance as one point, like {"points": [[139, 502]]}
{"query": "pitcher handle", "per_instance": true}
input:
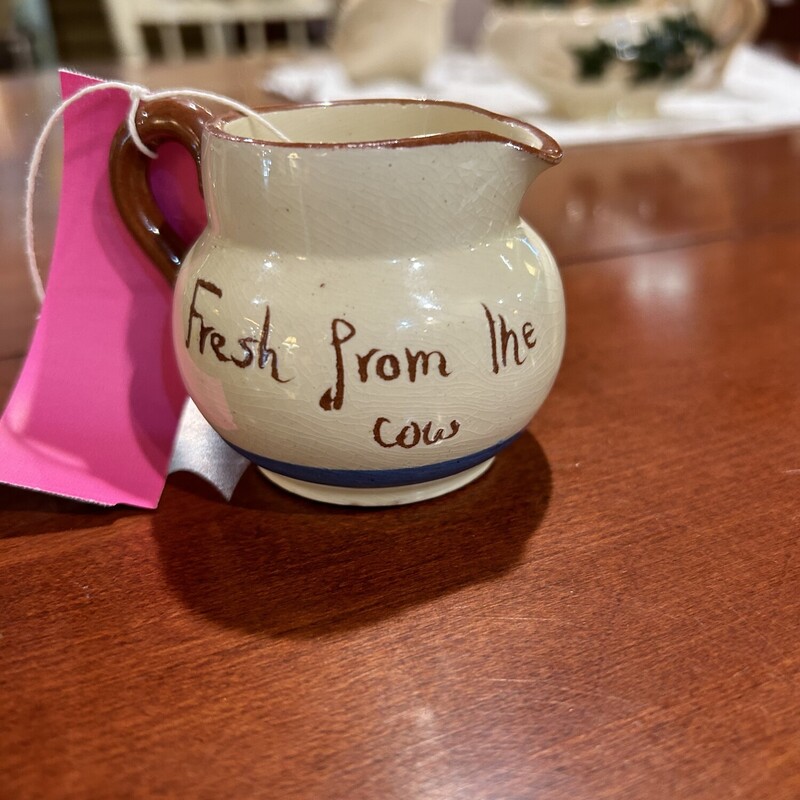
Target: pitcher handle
{"points": [[749, 21], [157, 121]]}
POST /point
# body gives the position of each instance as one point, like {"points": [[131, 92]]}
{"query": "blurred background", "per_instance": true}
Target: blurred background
{"points": [[79, 33]]}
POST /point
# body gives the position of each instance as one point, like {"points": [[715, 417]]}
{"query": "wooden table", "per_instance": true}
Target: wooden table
{"points": [[612, 612]]}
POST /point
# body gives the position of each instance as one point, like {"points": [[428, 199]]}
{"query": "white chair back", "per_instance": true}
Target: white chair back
{"points": [[216, 19]]}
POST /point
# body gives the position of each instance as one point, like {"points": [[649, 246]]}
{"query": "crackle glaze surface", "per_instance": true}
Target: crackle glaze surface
{"points": [[368, 309]]}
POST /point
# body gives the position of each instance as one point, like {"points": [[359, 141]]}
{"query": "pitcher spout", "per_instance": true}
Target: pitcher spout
{"points": [[542, 149], [537, 150]]}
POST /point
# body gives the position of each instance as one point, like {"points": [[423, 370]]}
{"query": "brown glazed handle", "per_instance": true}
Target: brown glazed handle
{"points": [[157, 121]]}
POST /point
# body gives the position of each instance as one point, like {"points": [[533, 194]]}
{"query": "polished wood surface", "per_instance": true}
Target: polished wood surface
{"points": [[612, 612]]}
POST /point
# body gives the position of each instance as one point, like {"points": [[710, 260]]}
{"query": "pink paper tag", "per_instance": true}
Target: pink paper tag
{"points": [[95, 410]]}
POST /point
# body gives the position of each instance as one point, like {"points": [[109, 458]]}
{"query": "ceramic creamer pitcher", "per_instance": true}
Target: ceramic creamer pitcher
{"points": [[365, 315]]}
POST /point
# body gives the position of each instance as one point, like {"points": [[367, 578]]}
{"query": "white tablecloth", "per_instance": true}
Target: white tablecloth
{"points": [[759, 92]]}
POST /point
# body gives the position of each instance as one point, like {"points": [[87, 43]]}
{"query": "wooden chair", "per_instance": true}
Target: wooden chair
{"points": [[216, 19], [14, 44]]}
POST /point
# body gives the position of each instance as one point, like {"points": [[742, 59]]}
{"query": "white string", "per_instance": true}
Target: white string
{"points": [[137, 94]]}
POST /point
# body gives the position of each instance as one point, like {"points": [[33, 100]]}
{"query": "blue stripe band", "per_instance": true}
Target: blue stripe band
{"points": [[375, 478]]}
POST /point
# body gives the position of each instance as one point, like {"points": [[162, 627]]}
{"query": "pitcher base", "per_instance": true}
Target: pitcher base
{"points": [[385, 496]]}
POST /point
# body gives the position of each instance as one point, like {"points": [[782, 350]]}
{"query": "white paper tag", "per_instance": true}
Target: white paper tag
{"points": [[200, 450]]}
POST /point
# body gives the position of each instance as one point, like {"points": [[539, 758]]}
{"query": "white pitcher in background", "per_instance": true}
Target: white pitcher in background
{"points": [[390, 39], [616, 58]]}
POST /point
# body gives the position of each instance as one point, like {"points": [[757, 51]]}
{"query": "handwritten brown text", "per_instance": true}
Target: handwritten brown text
{"points": [[412, 434], [384, 365], [252, 350], [505, 341]]}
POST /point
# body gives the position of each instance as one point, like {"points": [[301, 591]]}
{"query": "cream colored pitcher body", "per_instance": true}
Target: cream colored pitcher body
{"points": [[365, 316]]}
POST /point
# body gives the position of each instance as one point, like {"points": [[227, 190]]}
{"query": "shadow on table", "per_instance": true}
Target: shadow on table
{"points": [[275, 564], [24, 512]]}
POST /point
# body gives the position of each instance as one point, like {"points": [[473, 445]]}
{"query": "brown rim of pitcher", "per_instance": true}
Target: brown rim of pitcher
{"points": [[550, 151]]}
